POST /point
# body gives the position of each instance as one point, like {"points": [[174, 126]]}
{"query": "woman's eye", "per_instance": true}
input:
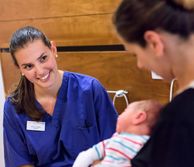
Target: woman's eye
{"points": [[43, 58], [28, 67]]}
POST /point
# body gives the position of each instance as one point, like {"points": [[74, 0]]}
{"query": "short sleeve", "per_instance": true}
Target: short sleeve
{"points": [[15, 149], [106, 113]]}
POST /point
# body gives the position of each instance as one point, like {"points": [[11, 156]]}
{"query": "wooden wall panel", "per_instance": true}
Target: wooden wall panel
{"points": [[79, 30], [75, 22], [115, 70], [10, 73], [11, 10]]}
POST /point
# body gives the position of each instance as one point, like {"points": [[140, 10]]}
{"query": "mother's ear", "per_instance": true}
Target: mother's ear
{"points": [[139, 117], [154, 42]]}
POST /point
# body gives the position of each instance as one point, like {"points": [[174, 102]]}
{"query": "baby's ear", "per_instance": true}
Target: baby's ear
{"points": [[139, 117]]}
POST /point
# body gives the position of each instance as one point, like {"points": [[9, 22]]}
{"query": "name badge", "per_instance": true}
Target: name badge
{"points": [[35, 126]]}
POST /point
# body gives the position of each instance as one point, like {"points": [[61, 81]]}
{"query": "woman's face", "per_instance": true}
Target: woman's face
{"points": [[143, 61], [37, 63], [147, 59]]}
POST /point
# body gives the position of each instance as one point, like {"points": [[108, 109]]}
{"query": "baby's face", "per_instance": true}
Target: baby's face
{"points": [[142, 113], [125, 119]]}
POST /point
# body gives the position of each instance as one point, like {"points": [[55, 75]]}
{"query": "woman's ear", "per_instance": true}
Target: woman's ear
{"points": [[53, 47], [154, 42], [139, 117]]}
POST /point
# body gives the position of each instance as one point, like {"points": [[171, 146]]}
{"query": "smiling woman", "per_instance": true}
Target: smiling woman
{"points": [[51, 109]]}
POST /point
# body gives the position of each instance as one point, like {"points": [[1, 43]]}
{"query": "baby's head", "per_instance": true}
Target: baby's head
{"points": [[139, 117]]}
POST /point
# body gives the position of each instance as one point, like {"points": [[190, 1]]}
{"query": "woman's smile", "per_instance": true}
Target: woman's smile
{"points": [[45, 77]]}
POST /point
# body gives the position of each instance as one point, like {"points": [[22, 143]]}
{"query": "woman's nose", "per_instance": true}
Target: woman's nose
{"points": [[39, 70]]}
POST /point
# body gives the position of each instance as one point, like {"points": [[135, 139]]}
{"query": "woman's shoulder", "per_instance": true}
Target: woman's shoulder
{"points": [[81, 79], [185, 97], [182, 105], [8, 102], [78, 76], [9, 107]]}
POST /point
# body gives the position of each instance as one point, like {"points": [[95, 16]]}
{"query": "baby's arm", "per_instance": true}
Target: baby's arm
{"points": [[86, 158]]}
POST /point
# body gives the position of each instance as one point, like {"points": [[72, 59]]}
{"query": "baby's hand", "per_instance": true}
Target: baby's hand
{"points": [[95, 163]]}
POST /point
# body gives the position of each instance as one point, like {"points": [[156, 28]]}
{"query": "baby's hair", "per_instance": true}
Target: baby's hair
{"points": [[152, 108], [149, 105]]}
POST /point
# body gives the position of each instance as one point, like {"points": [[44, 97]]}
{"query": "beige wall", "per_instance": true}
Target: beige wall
{"points": [[2, 99]]}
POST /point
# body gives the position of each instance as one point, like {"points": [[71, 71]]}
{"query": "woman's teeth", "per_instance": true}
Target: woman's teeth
{"points": [[45, 77]]}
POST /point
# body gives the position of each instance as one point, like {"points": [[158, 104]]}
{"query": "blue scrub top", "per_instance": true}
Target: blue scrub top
{"points": [[83, 116]]}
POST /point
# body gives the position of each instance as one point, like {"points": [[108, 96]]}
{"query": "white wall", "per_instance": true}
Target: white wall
{"points": [[2, 99]]}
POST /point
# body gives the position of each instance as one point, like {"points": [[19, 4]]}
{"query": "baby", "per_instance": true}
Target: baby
{"points": [[133, 128]]}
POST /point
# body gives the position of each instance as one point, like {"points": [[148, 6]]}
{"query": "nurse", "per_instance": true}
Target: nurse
{"points": [[52, 115], [161, 35]]}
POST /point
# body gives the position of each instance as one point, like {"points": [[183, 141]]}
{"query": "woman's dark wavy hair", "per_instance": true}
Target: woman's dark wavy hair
{"points": [[134, 17], [23, 97]]}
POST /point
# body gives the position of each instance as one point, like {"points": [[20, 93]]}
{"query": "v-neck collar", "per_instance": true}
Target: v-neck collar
{"points": [[61, 97]]}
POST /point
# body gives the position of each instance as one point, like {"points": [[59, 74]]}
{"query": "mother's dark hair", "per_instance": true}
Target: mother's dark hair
{"points": [[134, 17]]}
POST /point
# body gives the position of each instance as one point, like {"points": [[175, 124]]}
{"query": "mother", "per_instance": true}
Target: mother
{"points": [[161, 35]]}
